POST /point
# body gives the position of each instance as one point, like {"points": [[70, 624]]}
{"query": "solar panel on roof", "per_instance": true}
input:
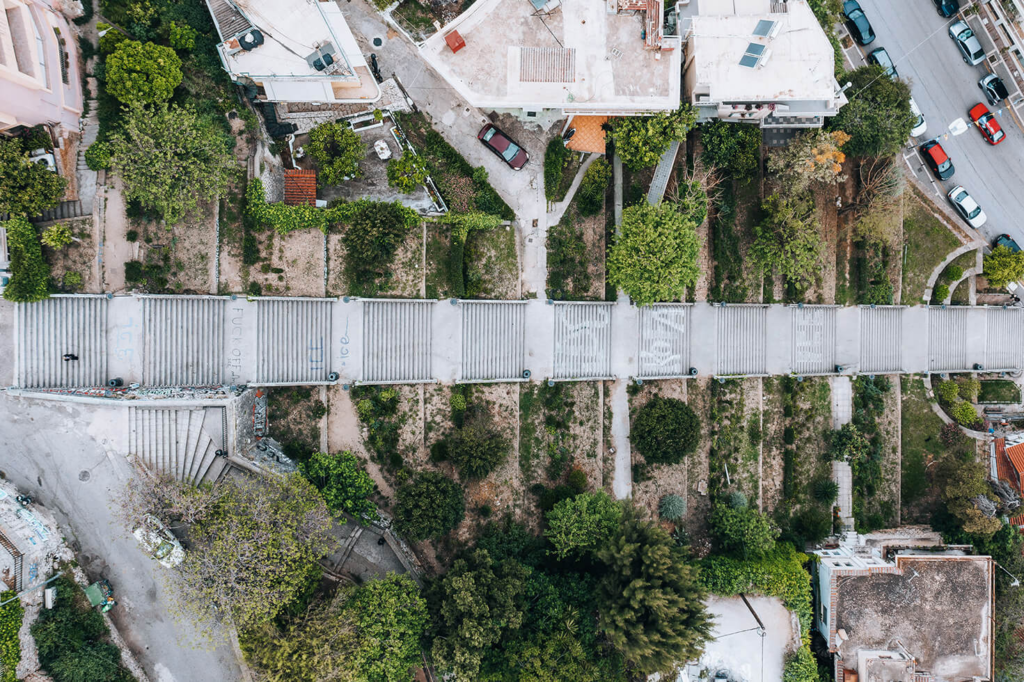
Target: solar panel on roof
{"points": [[748, 61], [755, 49], [764, 27]]}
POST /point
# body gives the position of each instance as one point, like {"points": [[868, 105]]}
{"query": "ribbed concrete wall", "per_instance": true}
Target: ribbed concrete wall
{"points": [[293, 340], [396, 341], [663, 348], [62, 324], [1004, 338], [814, 339], [582, 336], [184, 340], [741, 340], [881, 339], [949, 346], [177, 442], [493, 343]]}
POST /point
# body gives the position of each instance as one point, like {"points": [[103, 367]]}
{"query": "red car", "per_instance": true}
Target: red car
{"points": [[502, 145], [987, 123]]}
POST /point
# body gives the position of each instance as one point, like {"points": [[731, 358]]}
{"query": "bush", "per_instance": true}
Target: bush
{"points": [[590, 195], [10, 646], [57, 236], [737, 500], [429, 506], [672, 507], [813, 524], [568, 273], [788, 435], [182, 37], [581, 524], [72, 281], [964, 414], [97, 156], [476, 450], [848, 444], [948, 392], [371, 240], [456, 269], [826, 491], [110, 40], [26, 188], [29, 273], [733, 147], [343, 483], [407, 173], [131, 236], [555, 158], [746, 532], [940, 292], [577, 480], [146, 73], [953, 273], [641, 140], [337, 150], [952, 436], [134, 271], [665, 430]]}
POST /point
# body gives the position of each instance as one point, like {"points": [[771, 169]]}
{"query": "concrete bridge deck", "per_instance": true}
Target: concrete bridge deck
{"points": [[159, 341]]}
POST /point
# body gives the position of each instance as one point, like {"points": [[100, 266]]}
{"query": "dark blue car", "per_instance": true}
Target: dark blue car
{"points": [[857, 22], [947, 8]]}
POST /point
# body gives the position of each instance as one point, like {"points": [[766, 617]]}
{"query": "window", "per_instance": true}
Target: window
{"points": [[752, 56], [62, 55]]}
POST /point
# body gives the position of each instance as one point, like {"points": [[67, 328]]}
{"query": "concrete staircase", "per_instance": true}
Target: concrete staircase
{"points": [[180, 442], [86, 177], [47, 330], [184, 340], [662, 173], [63, 211], [293, 339]]}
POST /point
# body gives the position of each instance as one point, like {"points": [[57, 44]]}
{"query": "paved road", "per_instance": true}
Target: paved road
{"points": [[48, 449], [945, 87]]}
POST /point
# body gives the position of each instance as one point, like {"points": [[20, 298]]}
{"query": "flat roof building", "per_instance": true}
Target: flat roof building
{"points": [[292, 51]]}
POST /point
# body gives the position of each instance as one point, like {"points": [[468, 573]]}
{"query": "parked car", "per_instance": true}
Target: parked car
{"points": [[987, 123], [1007, 241], [967, 42], [967, 207], [947, 8], [857, 22], [935, 156], [159, 542], [994, 89], [882, 58], [920, 125], [502, 145]]}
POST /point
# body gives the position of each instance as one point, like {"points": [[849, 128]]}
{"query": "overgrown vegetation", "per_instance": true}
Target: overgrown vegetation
{"points": [[29, 272], [641, 140], [11, 615], [26, 188], [733, 147], [872, 510]]}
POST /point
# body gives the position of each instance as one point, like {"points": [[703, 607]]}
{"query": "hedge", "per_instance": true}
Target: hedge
{"points": [[29, 272], [10, 646]]}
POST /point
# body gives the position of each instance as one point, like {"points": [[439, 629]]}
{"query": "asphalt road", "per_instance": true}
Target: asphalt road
{"points": [[945, 87], [63, 454]]}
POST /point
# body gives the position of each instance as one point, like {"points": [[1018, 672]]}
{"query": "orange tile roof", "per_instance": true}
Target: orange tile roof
{"points": [[299, 187], [1015, 453], [589, 136], [1005, 470]]}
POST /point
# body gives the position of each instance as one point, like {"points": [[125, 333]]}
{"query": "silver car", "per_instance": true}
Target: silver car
{"points": [[967, 207], [970, 46]]}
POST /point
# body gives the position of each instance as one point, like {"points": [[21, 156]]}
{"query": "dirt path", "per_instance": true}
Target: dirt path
{"points": [[115, 249], [344, 432]]}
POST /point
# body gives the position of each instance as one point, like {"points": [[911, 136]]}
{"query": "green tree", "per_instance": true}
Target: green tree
{"points": [[392, 617], [641, 140], [948, 392], [144, 73], [650, 602], [320, 645], [579, 525], [665, 430], [877, 117], [337, 150], [745, 532], [733, 147], [26, 188], [479, 602], [344, 484], [57, 236], [590, 196], [429, 506], [407, 173], [29, 273], [654, 258], [964, 414], [962, 480], [1003, 266], [97, 156], [786, 240], [253, 547], [848, 444], [182, 37], [371, 240], [476, 450], [170, 159]]}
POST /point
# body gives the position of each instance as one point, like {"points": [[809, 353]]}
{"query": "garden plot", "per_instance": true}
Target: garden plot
{"points": [[293, 419], [730, 233], [653, 481], [293, 265], [876, 481], [698, 503], [73, 268], [576, 257], [922, 447], [735, 423], [405, 277], [492, 264], [560, 430], [234, 271]]}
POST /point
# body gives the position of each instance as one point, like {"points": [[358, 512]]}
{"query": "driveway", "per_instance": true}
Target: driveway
{"points": [[459, 123], [64, 455], [945, 87]]}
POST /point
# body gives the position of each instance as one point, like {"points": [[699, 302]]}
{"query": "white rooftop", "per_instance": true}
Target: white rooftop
{"points": [[794, 59], [577, 56]]}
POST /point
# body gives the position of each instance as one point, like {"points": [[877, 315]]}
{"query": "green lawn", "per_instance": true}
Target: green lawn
{"points": [[927, 242], [999, 391], [921, 443]]}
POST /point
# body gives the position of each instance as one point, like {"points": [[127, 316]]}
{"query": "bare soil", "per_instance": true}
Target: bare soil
{"points": [[659, 479], [293, 265], [593, 230], [492, 264], [407, 268], [824, 288], [77, 257], [345, 433]]}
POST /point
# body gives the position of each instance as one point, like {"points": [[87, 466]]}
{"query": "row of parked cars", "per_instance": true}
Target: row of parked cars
{"points": [[991, 85]]}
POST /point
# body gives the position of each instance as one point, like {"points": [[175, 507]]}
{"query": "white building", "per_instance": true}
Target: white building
{"points": [[292, 51], [760, 61]]}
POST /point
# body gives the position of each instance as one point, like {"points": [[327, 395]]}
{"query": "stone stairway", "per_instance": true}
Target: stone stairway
{"points": [[293, 338], [661, 174], [230, 21], [184, 340], [63, 211], [86, 177], [49, 329], [181, 442]]}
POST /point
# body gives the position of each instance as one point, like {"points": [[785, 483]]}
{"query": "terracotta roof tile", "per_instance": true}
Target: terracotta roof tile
{"points": [[589, 136], [1015, 453], [299, 187]]}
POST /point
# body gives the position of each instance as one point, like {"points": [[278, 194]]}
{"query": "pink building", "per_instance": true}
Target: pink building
{"points": [[39, 71]]}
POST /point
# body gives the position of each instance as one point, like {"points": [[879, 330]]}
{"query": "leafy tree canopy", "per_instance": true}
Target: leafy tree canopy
{"points": [[733, 147], [337, 150], [744, 532], [26, 188], [654, 258], [877, 117], [1003, 266], [581, 524], [476, 449], [392, 617], [641, 140], [143, 73], [407, 173], [429, 506], [344, 484], [786, 240], [813, 158], [848, 444], [371, 240], [170, 158], [665, 430], [29, 272]]}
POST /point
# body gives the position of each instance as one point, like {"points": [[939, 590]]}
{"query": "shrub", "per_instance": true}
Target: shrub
{"points": [[1003, 266], [72, 280], [57, 236], [641, 140], [952, 436], [457, 402], [848, 444], [580, 524], [97, 156], [29, 273], [182, 37], [788, 435], [948, 392], [954, 272], [337, 150], [134, 271], [142, 72], [577, 480], [131, 236], [737, 500], [590, 195], [746, 532], [665, 430], [555, 158], [26, 188], [371, 240], [826, 491], [342, 481], [110, 40], [568, 273], [964, 414], [429, 506], [671, 507], [10, 646], [813, 524], [970, 388], [407, 173], [940, 292], [476, 450], [733, 147]]}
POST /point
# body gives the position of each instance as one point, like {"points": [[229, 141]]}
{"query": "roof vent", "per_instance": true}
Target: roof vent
{"points": [[251, 40]]}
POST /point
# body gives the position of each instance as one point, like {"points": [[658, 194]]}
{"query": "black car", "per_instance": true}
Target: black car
{"points": [[857, 22], [994, 89], [1007, 241], [882, 58], [947, 8]]}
